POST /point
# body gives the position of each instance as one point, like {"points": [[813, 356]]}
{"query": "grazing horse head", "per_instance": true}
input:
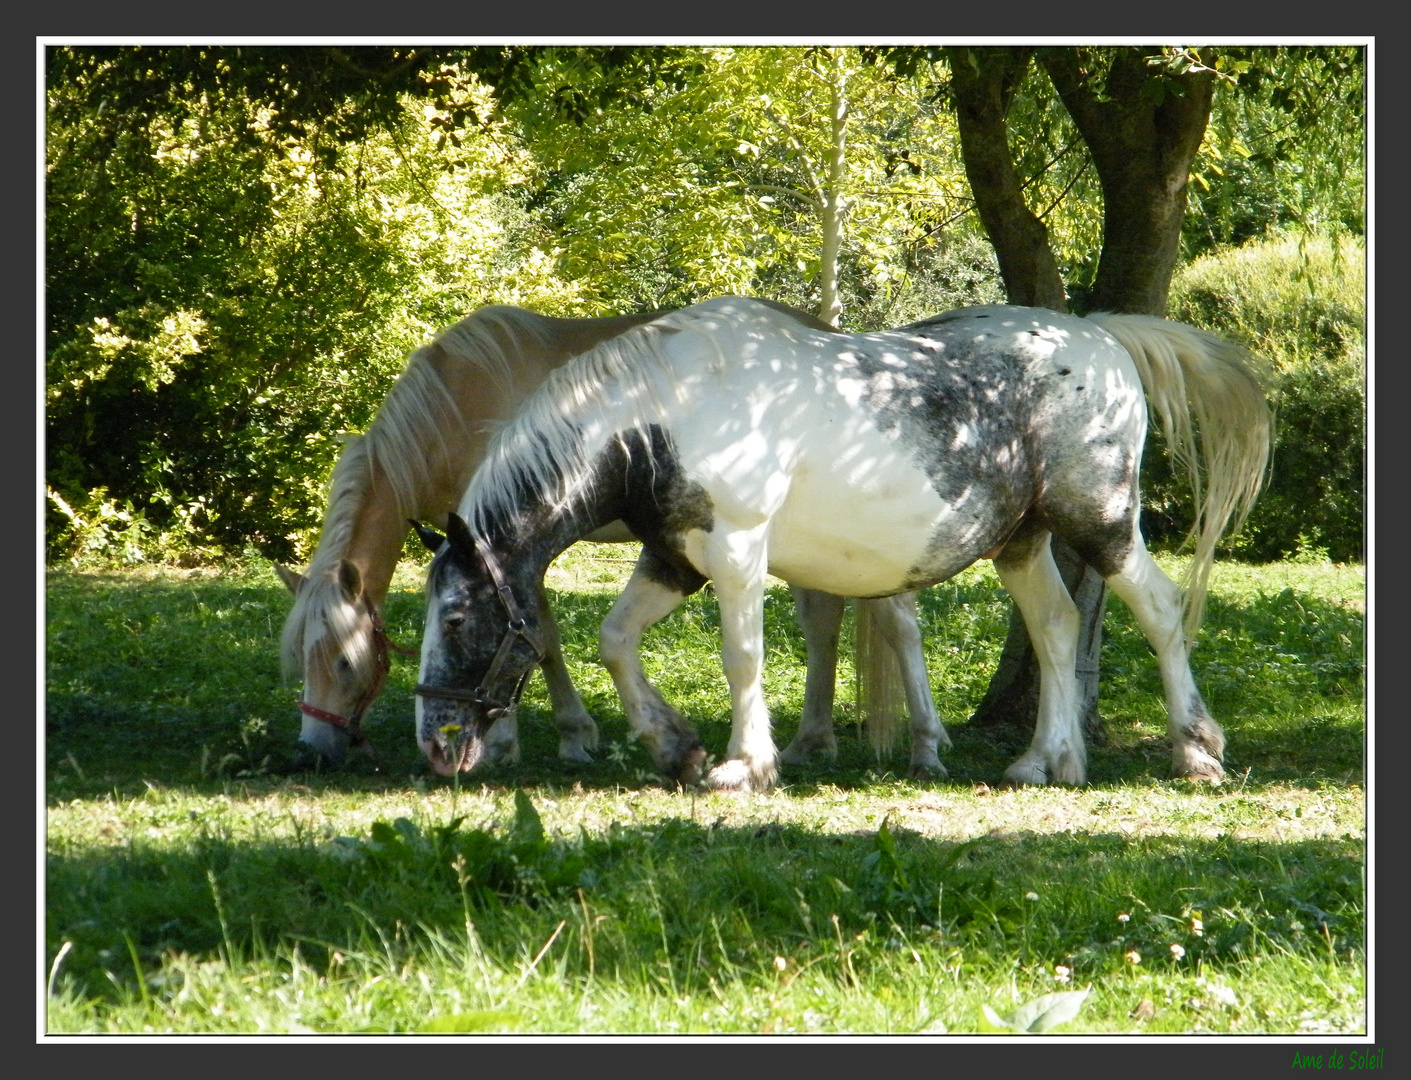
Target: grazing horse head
{"points": [[483, 638], [334, 638]]}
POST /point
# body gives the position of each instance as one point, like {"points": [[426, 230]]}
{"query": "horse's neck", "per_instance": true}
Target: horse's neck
{"points": [[377, 538], [571, 337], [533, 536], [380, 530]]}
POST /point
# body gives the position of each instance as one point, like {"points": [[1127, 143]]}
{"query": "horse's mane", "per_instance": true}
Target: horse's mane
{"points": [[320, 594], [407, 443], [549, 447], [609, 392], [407, 440]]}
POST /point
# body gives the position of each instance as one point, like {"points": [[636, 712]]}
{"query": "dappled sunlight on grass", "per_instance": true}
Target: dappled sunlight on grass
{"points": [[848, 899]]}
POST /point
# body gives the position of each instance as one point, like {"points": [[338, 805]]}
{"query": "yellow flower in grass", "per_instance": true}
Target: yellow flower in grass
{"points": [[1134, 957]]}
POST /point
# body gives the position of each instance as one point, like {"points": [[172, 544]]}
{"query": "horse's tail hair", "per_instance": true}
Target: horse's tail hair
{"points": [[1209, 398], [881, 693]]}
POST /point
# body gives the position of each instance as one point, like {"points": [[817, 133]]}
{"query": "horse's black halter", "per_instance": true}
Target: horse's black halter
{"points": [[518, 627]]}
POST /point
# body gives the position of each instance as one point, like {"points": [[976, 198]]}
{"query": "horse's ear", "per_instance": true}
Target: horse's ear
{"points": [[351, 579], [429, 537], [458, 536], [293, 580]]}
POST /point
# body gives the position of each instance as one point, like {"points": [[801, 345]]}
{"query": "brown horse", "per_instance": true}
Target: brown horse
{"points": [[415, 461]]}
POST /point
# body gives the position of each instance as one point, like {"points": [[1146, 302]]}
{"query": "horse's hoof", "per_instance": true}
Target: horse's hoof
{"points": [[573, 751], [1213, 774], [737, 775], [501, 755], [579, 732], [1195, 764], [1070, 770], [806, 753], [1025, 774], [927, 770]]}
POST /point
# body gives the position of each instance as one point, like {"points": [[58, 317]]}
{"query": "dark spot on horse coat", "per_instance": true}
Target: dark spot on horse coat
{"points": [[944, 394], [995, 444], [658, 502]]}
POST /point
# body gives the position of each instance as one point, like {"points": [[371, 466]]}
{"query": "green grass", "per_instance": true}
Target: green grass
{"points": [[195, 884]]}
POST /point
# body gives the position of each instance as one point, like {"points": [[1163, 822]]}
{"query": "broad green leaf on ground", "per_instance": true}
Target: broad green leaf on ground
{"points": [[1042, 1014]]}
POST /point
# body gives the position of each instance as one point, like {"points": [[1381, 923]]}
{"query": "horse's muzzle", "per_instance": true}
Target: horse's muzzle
{"points": [[454, 752]]}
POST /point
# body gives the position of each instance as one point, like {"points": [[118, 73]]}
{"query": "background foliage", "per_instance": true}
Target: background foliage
{"points": [[245, 243], [1299, 304]]}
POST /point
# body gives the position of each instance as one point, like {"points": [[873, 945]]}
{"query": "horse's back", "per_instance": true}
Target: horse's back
{"points": [[917, 450]]}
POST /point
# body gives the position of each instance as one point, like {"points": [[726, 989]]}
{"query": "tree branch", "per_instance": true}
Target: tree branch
{"points": [[794, 193]]}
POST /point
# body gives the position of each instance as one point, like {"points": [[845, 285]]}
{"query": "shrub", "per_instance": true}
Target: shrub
{"points": [[1301, 306]]}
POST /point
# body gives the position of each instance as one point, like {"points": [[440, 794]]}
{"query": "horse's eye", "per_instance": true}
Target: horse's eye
{"points": [[344, 664], [454, 620]]}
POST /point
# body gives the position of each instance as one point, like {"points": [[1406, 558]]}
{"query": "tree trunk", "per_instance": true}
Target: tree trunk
{"points": [[984, 81], [1143, 128], [1143, 132]]}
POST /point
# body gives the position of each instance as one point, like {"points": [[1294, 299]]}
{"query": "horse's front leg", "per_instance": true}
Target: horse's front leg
{"points": [[647, 598], [737, 563], [578, 734], [1057, 753], [820, 616]]}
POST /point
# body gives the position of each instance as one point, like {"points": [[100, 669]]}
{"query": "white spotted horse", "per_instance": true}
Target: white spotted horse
{"points": [[736, 441]]}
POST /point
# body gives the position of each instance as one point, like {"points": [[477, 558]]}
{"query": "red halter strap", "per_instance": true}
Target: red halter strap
{"points": [[352, 724]]}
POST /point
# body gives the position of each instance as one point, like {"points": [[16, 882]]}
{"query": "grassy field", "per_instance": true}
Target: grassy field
{"points": [[196, 884]]}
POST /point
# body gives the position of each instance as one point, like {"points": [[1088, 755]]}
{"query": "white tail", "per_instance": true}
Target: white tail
{"points": [[881, 693], [1208, 396]]}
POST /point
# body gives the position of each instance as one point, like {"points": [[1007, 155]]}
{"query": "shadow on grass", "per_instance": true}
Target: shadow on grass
{"points": [[178, 682], [716, 902]]}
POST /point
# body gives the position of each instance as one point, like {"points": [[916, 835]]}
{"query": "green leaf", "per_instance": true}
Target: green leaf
{"points": [[991, 1022], [1043, 1013], [482, 1020], [528, 828]]}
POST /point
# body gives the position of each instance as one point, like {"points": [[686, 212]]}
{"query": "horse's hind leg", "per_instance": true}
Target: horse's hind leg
{"points": [[820, 615], [1197, 743], [896, 618], [578, 734], [1056, 753], [674, 745]]}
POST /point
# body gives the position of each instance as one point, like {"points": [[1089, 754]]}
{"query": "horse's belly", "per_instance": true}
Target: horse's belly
{"points": [[858, 531]]}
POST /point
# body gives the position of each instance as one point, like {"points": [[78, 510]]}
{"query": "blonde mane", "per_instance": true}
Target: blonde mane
{"points": [[549, 448], [606, 393], [410, 445]]}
